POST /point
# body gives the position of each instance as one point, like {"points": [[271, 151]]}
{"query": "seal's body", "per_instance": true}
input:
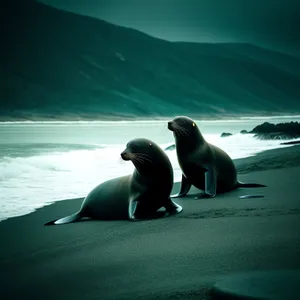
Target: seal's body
{"points": [[135, 196], [203, 165]]}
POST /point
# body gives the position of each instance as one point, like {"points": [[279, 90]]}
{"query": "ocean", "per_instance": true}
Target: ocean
{"points": [[44, 162]]}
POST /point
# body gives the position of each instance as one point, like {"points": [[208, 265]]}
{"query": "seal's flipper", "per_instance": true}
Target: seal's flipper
{"points": [[132, 209], [172, 207], [184, 189], [210, 181], [69, 219]]}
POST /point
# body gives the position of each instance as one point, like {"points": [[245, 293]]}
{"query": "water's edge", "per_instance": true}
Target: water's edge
{"points": [[241, 161]]}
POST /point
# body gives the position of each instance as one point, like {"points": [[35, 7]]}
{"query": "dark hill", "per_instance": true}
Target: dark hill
{"points": [[59, 63]]}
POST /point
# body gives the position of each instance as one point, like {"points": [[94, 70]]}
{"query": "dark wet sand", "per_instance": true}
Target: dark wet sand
{"points": [[180, 257]]}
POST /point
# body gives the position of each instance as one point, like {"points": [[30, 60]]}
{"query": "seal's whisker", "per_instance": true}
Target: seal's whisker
{"points": [[175, 129], [179, 131], [137, 159], [142, 154], [182, 130], [143, 157], [137, 165], [130, 156], [135, 156], [140, 159]]}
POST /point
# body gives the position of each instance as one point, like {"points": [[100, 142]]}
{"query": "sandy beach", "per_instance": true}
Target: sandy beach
{"points": [[179, 257]]}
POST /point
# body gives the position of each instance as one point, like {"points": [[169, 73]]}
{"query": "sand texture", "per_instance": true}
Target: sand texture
{"points": [[179, 257]]}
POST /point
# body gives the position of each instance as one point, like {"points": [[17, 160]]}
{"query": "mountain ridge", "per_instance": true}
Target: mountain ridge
{"points": [[73, 65]]}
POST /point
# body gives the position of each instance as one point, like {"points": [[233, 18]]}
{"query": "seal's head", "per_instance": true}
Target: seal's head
{"points": [[146, 156], [183, 126], [186, 131]]}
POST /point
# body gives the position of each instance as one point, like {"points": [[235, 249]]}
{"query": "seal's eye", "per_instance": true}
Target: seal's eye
{"points": [[133, 147], [150, 144], [194, 124]]}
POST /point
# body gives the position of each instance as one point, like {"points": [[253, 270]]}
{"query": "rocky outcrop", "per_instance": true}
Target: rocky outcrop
{"points": [[244, 131], [226, 134], [281, 131]]}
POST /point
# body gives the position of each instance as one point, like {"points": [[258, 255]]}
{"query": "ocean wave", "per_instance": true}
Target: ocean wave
{"points": [[34, 149]]}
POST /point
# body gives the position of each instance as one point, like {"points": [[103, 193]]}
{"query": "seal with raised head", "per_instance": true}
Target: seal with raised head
{"points": [[203, 165], [136, 196]]}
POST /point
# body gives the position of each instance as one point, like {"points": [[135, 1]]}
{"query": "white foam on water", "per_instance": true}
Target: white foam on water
{"points": [[31, 182]]}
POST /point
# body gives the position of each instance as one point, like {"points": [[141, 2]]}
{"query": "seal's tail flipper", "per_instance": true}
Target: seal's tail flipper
{"points": [[69, 219], [250, 185]]}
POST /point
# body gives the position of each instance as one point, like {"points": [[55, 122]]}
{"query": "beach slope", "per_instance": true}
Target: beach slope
{"points": [[180, 257]]}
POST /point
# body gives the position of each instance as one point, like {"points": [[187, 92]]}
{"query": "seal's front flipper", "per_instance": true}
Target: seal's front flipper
{"points": [[210, 183], [172, 207], [184, 189], [132, 209]]}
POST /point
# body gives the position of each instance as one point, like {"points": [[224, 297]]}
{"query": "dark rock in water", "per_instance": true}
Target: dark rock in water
{"points": [[244, 131], [169, 148], [290, 143], [225, 134], [292, 128], [281, 131]]}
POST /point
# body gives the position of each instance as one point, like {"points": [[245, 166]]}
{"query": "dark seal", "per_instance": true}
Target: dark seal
{"points": [[203, 165], [136, 196]]}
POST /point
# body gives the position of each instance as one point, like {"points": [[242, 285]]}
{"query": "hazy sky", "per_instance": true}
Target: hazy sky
{"points": [[270, 21]]}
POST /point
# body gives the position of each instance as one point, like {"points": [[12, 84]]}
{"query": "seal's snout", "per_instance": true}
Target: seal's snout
{"points": [[170, 125], [125, 155]]}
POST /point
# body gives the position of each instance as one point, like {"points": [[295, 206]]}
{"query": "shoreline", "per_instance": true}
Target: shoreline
{"points": [[288, 156], [101, 118]]}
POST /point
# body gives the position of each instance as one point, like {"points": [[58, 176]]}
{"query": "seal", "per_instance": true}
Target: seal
{"points": [[203, 165], [136, 196]]}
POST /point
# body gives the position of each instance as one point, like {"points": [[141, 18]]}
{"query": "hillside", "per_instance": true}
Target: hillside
{"points": [[56, 63]]}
